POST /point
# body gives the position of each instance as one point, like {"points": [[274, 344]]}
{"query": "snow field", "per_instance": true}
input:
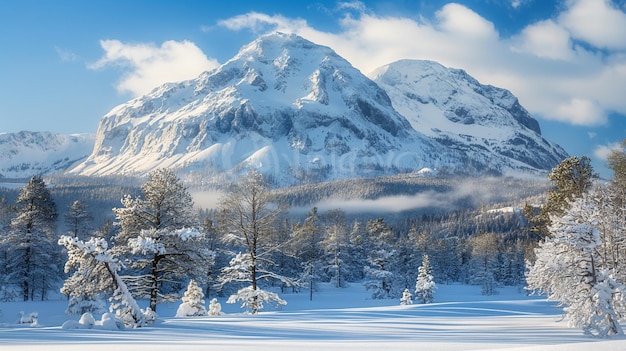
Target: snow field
{"points": [[336, 319]]}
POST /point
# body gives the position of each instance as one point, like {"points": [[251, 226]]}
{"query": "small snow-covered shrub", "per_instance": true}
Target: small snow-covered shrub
{"points": [[110, 322], [407, 298], [193, 302], [87, 320], [215, 308], [71, 324], [32, 318], [253, 300]]}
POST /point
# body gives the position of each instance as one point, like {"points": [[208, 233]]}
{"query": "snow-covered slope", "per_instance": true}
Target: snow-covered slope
{"points": [[292, 109], [485, 123], [25, 154]]}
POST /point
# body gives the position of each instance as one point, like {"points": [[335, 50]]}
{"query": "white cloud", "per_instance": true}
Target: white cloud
{"points": [[602, 152], [260, 22], [551, 74], [460, 21], [545, 39], [147, 66], [596, 22], [580, 111]]}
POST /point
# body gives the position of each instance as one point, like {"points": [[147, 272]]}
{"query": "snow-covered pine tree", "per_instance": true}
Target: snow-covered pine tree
{"points": [[337, 248], [379, 273], [95, 271], [379, 277], [306, 242], [356, 256], [157, 238], [484, 262], [212, 242], [193, 302], [407, 298], [32, 261], [425, 285], [78, 220], [404, 262], [570, 268], [248, 217]]}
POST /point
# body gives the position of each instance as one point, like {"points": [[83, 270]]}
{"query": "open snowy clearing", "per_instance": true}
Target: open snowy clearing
{"points": [[336, 319]]}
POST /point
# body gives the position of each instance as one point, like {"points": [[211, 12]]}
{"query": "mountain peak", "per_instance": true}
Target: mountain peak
{"points": [[282, 103], [268, 44], [451, 106], [299, 111]]}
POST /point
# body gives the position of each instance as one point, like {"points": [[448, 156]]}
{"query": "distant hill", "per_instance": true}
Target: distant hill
{"points": [[25, 154]]}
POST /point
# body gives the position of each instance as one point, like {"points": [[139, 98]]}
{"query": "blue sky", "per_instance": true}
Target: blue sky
{"points": [[64, 64]]}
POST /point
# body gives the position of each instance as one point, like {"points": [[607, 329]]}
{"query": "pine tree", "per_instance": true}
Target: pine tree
{"points": [[78, 220], [306, 241], [193, 302], [249, 219], [425, 286], [357, 254], [337, 249], [212, 242], [570, 179], [32, 261], [158, 237], [571, 268], [407, 298], [379, 273], [484, 262]]}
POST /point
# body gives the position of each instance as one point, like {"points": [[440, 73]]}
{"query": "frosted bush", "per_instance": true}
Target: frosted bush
{"points": [[215, 308]]}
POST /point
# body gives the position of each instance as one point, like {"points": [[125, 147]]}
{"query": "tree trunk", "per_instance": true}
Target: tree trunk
{"points": [[154, 289]]}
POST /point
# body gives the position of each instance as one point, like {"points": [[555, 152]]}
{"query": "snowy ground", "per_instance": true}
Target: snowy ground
{"points": [[336, 319]]}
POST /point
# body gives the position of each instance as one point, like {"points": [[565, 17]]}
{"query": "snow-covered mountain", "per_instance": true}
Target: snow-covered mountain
{"points": [[485, 123], [25, 154], [297, 110]]}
